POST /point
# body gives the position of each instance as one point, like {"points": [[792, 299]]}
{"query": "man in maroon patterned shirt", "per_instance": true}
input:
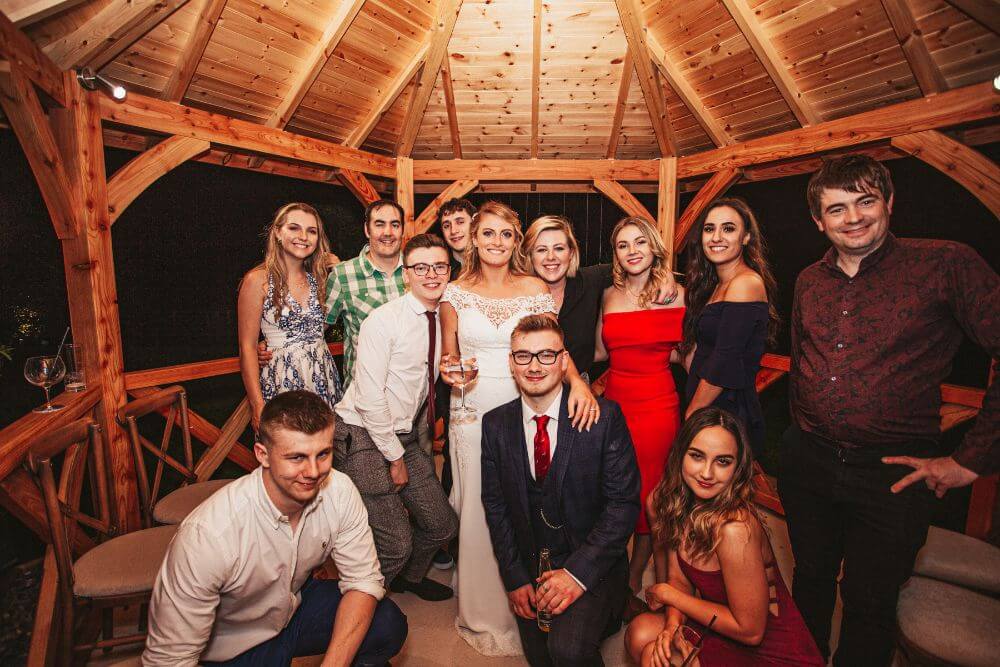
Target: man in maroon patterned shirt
{"points": [[875, 326]]}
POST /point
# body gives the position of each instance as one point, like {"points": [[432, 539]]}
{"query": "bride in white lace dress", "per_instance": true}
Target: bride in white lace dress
{"points": [[478, 314]]}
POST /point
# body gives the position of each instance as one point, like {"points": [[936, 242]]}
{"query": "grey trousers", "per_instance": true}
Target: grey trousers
{"points": [[410, 525]]}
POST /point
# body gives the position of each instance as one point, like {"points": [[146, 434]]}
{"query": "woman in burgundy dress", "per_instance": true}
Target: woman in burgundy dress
{"points": [[641, 338], [720, 562]]}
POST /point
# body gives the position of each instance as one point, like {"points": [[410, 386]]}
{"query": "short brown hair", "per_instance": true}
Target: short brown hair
{"points": [[301, 411], [535, 323], [853, 173], [455, 206], [424, 241], [379, 203]]}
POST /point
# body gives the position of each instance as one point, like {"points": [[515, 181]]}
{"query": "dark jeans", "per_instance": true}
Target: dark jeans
{"points": [[309, 631], [840, 510]]}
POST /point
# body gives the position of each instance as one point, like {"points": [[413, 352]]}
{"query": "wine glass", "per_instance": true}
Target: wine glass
{"points": [[44, 372], [461, 372]]}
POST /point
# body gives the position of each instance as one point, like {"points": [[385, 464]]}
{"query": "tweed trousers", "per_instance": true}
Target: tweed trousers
{"points": [[408, 525]]}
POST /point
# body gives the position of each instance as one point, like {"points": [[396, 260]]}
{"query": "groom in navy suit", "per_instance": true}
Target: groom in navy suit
{"points": [[546, 485]]}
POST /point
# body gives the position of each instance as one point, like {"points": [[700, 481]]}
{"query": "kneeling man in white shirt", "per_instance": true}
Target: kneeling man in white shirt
{"points": [[236, 587]]}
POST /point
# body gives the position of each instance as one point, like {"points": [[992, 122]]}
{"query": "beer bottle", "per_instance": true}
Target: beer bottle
{"points": [[544, 565]]}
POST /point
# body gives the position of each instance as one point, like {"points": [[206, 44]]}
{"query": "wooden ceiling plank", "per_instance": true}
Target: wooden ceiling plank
{"points": [[162, 116], [622, 102], [24, 55], [358, 136], [449, 100], [716, 186], [686, 93], [625, 200], [536, 72], [112, 30], [911, 41], [182, 74], [969, 168], [335, 30], [437, 49], [984, 12], [141, 171], [26, 12], [771, 60], [630, 14], [359, 186], [454, 190]]}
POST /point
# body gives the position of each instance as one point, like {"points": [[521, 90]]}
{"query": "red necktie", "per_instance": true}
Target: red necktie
{"points": [[432, 337], [542, 456]]}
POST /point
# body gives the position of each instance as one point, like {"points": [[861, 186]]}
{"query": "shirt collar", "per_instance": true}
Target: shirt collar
{"points": [[370, 269], [414, 303], [890, 243], [271, 512], [528, 413]]}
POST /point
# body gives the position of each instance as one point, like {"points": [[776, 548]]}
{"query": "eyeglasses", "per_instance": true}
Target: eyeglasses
{"points": [[545, 357], [441, 268]]}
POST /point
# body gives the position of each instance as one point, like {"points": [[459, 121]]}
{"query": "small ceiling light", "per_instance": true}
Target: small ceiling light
{"points": [[996, 83], [91, 81]]}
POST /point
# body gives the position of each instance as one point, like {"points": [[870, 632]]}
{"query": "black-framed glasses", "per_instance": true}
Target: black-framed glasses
{"points": [[545, 357], [441, 268]]}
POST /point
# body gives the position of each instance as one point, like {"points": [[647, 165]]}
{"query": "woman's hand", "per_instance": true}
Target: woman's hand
{"points": [[658, 595], [582, 406], [455, 378], [662, 645], [667, 291]]}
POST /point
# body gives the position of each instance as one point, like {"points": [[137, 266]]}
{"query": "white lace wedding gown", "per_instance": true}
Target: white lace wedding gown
{"points": [[484, 327]]}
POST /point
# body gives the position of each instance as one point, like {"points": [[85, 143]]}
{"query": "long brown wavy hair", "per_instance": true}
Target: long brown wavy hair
{"points": [[661, 258], [315, 264], [702, 279], [472, 266], [679, 517]]}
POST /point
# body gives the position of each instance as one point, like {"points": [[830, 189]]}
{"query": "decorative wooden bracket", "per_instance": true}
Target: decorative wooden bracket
{"points": [[404, 193], [715, 188], [429, 215], [141, 171], [617, 193], [359, 186], [25, 56]]}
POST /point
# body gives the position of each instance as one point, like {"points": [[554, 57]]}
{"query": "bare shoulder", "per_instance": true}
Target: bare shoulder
{"points": [[747, 286], [531, 285], [255, 277], [740, 533]]}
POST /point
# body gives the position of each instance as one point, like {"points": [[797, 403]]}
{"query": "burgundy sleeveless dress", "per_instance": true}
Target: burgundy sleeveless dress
{"points": [[786, 639]]}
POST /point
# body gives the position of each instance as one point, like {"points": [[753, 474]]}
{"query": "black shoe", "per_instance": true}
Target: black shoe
{"points": [[425, 589], [443, 560]]}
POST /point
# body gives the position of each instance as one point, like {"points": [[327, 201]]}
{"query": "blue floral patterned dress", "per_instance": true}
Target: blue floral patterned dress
{"points": [[300, 359]]}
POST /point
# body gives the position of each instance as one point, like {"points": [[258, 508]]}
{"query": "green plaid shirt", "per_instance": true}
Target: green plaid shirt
{"points": [[354, 289]]}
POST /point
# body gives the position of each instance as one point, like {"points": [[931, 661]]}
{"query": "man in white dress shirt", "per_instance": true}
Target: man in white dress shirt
{"points": [[236, 586], [379, 419]]}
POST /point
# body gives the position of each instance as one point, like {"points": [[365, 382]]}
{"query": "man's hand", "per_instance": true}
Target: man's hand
{"points": [[582, 406], [557, 591], [939, 474], [397, 471], [522, 601], [668, 290], [263, 354], [331, 260]]}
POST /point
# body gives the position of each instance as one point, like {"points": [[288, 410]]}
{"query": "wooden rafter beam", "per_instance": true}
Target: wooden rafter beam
{"points": [[771, 60], [969, 168], [536, 170], [715, 188], [161, 116], [336, 28], [911, 41], [620, 104], [182, 74], [625, 200], [984, 12], [116, 27], [359, 186], [675, 79], [139, 173], [630, 13], [429, 215], [666, 204], [536, 72], [24, 55], [439, 38], [449, 100], [358, 136], [25, 12]]}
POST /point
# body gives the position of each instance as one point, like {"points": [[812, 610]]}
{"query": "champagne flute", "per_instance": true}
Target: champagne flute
{"points": [[461, 372], [44, 372]]}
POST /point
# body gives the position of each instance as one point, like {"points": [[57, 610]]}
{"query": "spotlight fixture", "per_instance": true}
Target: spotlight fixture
{"points": [[996, 84], [92, 81]]}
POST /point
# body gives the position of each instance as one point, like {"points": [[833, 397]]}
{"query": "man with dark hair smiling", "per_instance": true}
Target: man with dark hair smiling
{"points": [[236, 586]]}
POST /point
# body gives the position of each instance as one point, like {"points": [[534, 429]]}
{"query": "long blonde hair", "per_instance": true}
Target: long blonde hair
{"points": [[314, 265], [552, 223], [658, 271], [472, 267]]}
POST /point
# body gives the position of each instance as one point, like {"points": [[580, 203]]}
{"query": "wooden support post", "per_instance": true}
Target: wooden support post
{"points": [[359, 186], [141, 171], [404, 193], [44, 631], [715, 188], [628, 67], [449, 101], [617, 193], [429, 215], [666, 205]]}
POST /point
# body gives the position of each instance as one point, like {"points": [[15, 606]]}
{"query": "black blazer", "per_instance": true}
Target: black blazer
{"points": [[580, 310], [597, 498]]}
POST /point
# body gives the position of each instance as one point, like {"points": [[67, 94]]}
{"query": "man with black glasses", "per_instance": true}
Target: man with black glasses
{"points": [[379, 419]]}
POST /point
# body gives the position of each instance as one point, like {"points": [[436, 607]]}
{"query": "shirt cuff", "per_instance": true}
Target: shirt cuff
{"points": [[579, 583], [372, 588]]}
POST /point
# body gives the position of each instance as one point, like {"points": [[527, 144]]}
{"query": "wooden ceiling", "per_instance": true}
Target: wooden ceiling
{"points": [[437, 79]]}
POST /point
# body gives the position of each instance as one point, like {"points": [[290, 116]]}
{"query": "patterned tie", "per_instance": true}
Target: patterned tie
{"points": [[432, 337], [542, 456]]}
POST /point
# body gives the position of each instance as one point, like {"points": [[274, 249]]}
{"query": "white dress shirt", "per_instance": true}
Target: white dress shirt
{"points": [[233, 571], [390, 372]]}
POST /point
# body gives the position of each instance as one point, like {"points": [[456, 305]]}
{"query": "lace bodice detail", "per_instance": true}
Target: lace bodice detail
{"points": [[294, 324]]}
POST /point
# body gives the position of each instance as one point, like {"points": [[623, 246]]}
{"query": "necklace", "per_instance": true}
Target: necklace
{"points": [[635, 297]]}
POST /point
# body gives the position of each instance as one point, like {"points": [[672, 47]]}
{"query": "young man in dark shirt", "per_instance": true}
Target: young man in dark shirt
{"points": [[875, 326]]}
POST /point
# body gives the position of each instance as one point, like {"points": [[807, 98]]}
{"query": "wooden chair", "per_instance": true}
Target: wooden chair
{"points": [[196, 485], [113, 573]]}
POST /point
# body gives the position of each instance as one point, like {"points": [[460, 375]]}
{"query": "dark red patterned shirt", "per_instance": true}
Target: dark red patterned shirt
{"points": [[869, 353]]}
